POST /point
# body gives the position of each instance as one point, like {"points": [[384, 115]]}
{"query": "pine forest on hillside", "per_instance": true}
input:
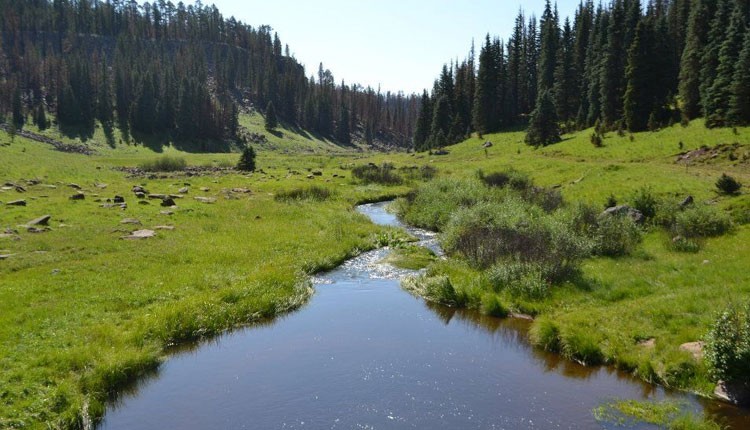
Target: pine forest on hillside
{"points": [[623, 66], [175, 70]]}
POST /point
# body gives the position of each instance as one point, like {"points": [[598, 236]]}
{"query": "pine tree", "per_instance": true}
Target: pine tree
{"points": [[424, 121], [710, 57], [639, 94], [343, 134], [550, 38], [247, 160], [690, 64], [612, 78], [485, 99], [271, 120], [442, 119], [18, 117], [566, 80], [720, 92], [543, 129], [739, 106]]}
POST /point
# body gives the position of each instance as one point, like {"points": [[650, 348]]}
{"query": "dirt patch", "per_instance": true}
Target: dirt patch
{"points": [[734, 153]]}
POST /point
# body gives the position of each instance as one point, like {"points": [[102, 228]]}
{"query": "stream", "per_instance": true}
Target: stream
{"points": [[364, 354]]}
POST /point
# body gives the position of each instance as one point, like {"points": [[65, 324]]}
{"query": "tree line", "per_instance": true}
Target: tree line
{"points": [[181, 70], [623, 66]]}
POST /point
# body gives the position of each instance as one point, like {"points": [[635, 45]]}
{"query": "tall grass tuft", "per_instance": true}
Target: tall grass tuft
{"points": [[165, 163], [385, 174], [312, 193]]}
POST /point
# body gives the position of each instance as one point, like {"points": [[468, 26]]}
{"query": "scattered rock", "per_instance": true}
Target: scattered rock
{"points": [[130, 221], [623, 210], [140, 234], [183, 190], [101, 186], [695, 348], [49, 187], [487, 144], [17, 203], [139, 189], [687, 202], [317, 173], [157, 196], [5, 256], [78, 196], [734, 393], [55, 271], [648, 343], [206, 199], [140, 195], [241, 190], [522, 317], [310, 177], [258, 217], [119, 199], [164, 227], [115, 205], [9, 236], [168, 202], [42, 220], [166, 212], [144, 202], [205, 189], [38, 230], [74, 186]]}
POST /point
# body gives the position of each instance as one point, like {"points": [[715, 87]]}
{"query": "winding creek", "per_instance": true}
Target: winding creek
{"points": [[364, 354]]}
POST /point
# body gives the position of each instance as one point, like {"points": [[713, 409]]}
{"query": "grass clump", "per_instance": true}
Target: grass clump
{"points": [[615, 235], [312, 193], [423, 173], [410, 257], [666, 414], [492, 306], [385, 174], [165, 163], [438, 289]]}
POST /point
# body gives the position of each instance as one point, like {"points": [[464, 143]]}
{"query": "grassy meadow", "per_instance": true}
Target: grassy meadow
{"points": [[82, 311]]}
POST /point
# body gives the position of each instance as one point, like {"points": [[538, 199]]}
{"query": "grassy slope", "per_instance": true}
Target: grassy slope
{"points": [[82, 312], [672, 297]]}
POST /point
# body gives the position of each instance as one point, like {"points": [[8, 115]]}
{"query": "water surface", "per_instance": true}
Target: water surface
{"points": [[364, 354]]}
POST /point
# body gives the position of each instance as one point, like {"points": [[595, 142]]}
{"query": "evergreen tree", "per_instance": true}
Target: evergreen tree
{"points": [[442, 119], [566, 80], [18, 116], [485, 99], [710, 57], [424, 122], [720, 92], [690, 65], [639, 96], [271, 120], [550, 37], [612, 86], [739, 106], [247, 160], [543, 129], [343, 133]]}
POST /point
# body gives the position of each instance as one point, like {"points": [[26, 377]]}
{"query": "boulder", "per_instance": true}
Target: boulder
{"points": [[487, 144], [694, 348], [183, 190], [144, 202], [166, 213], [119, 199], [17, 203], [168, 202], [205, 189], [164, 227], [157, 196], [140, 234], [687, 202], [241, 190], [74, 186], [42, 220], [139, 189], [130, 221], [5, 256], [206, 199], [37, 229], [624, 210], [140, 195], [101, 186], [317, 173], [735, 393], [78, 196]]}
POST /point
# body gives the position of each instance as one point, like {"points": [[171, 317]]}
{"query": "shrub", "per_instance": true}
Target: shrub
{"points": [[702, 221], [684, 244], [645, 202], [596, 140], [247, 160], [549, 199], [384, 174], [520, 279], [611, 202], [313, 193], [165, 163], [497, 179], [489, 233], [728, 346], [615, 235], [728, 185], [424, 173]]}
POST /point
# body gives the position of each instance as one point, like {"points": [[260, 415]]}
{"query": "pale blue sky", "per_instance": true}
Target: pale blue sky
{"points": [[399, 44]]}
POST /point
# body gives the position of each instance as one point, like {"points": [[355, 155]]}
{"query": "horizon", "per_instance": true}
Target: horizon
{"points": [[417, 60]]}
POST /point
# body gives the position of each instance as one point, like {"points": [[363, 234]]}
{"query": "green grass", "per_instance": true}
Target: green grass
{"points": [[655, 292], [665, 414], [83, 312]]}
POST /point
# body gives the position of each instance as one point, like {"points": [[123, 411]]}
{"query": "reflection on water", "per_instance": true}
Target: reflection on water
{"points": [[365, 354]]}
